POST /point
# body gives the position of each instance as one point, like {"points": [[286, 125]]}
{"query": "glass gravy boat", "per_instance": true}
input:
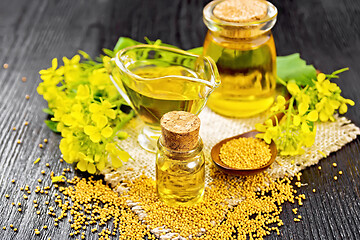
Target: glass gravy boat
{"points": [[155, 80]]}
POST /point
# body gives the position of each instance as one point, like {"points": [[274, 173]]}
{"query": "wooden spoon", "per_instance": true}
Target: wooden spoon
{"points": [[215, 155], [215, 152]]}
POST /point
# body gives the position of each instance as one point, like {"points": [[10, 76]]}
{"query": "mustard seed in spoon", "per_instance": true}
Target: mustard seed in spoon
{"points": [[245, 153]]}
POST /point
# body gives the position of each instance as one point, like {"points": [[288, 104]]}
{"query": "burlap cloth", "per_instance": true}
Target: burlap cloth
{"points": [[330, 137]]}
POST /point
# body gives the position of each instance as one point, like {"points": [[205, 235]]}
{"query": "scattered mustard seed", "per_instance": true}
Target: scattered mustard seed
{"points": [[13, 203], [13, 180], [37, 212], [42, 171], [14, 128], [340, 172], [11, 225], [27, 97], [5, 65], [26, 123], [40, 145], [18, 141], [19, 209], [335, 178], [15, 229], [334, 165], [61, 160], [295, 210], [314, 190], [47, 164], [19, 203], [39, 180], [45, 140], [4, 227], [319, 167], [45, 227], [23, 79], [7, 195]]}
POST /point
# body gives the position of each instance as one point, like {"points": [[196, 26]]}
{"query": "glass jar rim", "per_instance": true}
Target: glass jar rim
{"points": [[208, 15], [212, 82]]}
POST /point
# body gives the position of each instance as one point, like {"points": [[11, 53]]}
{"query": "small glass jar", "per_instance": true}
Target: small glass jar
{"points": [[242, 45], [180, 161], [180, 175]]}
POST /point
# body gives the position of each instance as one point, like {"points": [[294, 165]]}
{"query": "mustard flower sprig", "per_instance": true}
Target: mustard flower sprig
{"points": [[87, 111], [316, 102]]}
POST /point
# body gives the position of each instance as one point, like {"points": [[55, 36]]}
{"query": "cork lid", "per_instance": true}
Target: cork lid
{"points": [[241, 19], [241, 11], [180, 130]]}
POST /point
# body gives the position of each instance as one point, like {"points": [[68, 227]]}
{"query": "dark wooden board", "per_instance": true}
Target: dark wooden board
{"points": [[325, 32]]}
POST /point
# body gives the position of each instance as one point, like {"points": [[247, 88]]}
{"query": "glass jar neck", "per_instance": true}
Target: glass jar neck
{"points": [[180, 155], [240, 30]]}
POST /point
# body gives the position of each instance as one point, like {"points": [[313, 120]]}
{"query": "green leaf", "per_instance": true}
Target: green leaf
{"points": [[52, 125], [198, 50], [292, 67], [48, 111], [124, 42]]}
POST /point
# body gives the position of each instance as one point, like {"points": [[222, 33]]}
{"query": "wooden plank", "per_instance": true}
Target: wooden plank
{"points": [[325, 32]]}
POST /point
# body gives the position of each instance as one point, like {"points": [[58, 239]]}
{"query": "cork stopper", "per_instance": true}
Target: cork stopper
{"points": [[180, 130], [241, 11]]}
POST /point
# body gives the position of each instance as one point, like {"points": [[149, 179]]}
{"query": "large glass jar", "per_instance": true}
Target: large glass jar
{"points": [[241, 43]]}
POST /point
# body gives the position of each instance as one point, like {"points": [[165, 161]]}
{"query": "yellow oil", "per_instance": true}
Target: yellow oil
{"points": [[247, 69], [153, 98], [180, 183]]}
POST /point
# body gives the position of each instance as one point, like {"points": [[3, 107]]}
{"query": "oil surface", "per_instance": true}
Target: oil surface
{"points": [[153, 98], [248, 74], [180, 183]]}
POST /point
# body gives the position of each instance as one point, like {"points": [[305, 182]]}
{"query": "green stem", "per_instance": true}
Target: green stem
{"points": [[123, 122], [282, 82], [289, 112]]}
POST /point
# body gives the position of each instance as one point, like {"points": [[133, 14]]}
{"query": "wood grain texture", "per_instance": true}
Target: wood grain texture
{"points": [[325, 32]]}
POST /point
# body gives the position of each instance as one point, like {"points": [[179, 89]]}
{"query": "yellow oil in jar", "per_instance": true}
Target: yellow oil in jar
{"points": [[180, 183], [152, 99], [248, 74]]}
